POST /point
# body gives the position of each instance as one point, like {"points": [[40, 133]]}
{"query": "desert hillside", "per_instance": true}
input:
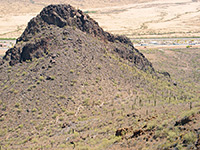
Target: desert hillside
{"points": [[144, 18], [69, 84]]}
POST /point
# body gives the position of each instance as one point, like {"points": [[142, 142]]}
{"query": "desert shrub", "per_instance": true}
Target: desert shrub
{"points": [[69, 113], [41, 78], [1, 119], [38, 116], [84, 92], [62, 97], [34, 110], [20, 126], [189, 138], [54, 116], [53, 77], [5, 87], [151, 125], [71, 71], [61, 119], [18, 110], [99, 67], [24, 73], [31, 87], [4, 107], [2, 132], [86, 83], [171, 136], [86, 102], [17, 105]]}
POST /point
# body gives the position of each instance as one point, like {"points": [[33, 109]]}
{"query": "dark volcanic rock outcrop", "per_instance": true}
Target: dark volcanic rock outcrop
{"points": [[51, 23]]}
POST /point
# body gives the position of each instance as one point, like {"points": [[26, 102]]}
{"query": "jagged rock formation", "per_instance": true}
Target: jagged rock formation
{"points": [[52, 23]]}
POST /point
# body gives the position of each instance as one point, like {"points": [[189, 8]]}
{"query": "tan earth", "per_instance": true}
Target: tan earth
{"points": [[2, 52], [134, 18]]}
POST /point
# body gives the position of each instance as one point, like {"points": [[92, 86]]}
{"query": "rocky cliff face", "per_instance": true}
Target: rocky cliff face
{"points": [[52, 22]]}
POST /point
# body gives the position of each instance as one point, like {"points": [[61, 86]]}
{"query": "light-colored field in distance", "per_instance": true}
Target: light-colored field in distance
{"points": [[15, 14], [134, 18], [169, 18]]}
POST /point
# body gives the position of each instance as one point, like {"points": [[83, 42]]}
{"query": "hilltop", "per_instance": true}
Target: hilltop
{"points": [[68, 84], [54, 22]]}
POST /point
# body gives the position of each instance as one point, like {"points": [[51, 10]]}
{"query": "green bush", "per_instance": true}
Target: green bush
{"points": [[54, 116], [41, 78], [34, 110], [190, 138], [71, 71]]}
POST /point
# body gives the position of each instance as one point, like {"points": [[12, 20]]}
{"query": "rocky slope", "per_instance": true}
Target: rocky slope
{"points": [[69, 84]]}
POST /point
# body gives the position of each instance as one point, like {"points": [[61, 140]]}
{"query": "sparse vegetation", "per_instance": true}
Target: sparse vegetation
{"points": [[86, 88]]}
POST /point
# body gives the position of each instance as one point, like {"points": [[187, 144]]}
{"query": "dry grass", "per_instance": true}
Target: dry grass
{"points": [[148, 19]]}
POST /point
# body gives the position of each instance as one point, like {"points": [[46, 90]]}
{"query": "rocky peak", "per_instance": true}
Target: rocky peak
{"points": [[49, 27], [65, 15]]}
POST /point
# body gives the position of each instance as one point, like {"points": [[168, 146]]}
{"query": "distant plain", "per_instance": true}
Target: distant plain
{"points": [[143, 18]]}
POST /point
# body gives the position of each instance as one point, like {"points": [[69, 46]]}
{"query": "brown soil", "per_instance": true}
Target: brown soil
{"points": [[68, 84]]}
